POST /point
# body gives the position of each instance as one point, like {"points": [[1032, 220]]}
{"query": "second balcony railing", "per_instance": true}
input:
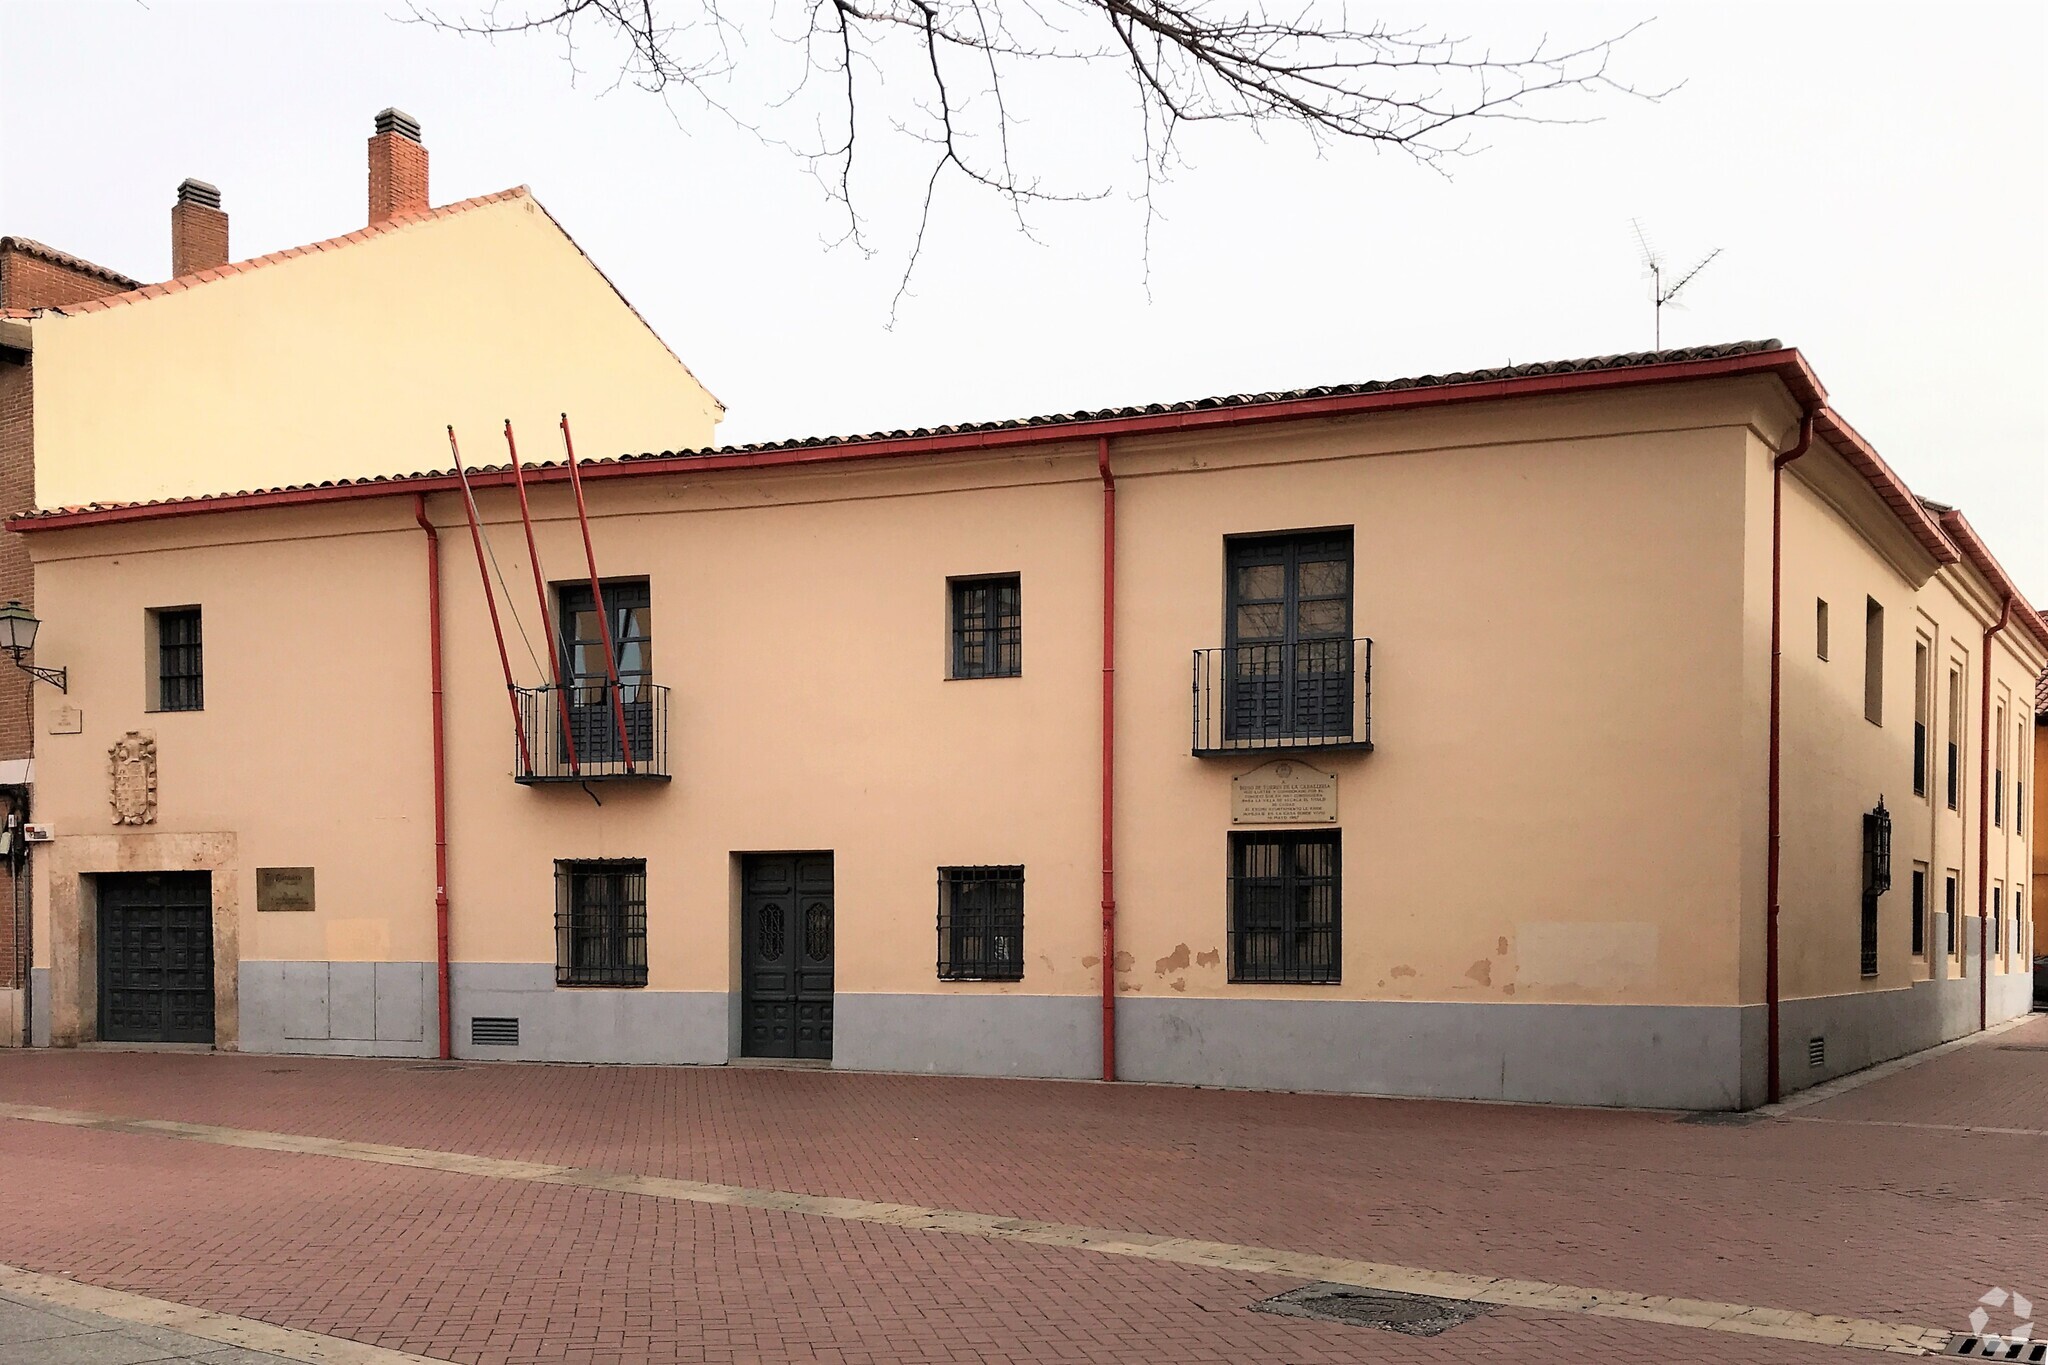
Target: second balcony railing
{"points": [[1312, 694], [572, 734]]}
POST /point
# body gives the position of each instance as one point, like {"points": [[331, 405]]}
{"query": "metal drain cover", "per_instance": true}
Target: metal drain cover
{"points": [[1414, 1315], [1997, 1348], [438, 1066]]}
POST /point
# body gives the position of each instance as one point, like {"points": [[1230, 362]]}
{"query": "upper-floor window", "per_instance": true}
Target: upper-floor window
{"points": [[1921, 685], [1873, 661], [586, 673], [1955, 738], [601, 922], [981, 924], [1820, 627], [1288, 636], [1998, 771], [988, 626], [1286, 889], [179, 677]]}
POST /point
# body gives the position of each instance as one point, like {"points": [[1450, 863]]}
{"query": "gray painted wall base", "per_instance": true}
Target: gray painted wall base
{"points": [[1651, 1056], [969, 1035], [348, 1009], [586, 1023], [39, 1006]]}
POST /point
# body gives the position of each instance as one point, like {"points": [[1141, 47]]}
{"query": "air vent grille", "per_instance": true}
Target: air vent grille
{"points": [[1816, 1052], [493, 1032]]}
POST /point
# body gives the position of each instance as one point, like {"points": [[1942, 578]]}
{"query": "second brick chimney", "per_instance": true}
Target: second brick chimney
{"points": [[199, 230], [398, 167]]}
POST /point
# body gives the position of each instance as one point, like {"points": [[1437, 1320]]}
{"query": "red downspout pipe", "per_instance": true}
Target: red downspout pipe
{"points": [[540, 590], [476, 540], [419, 512], [1775, 803], [604, 621], [1108, 759], [1984, 828]]}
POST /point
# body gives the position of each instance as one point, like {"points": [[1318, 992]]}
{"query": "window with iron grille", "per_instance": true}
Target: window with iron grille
{"points": [[1919, 912], [981, 924], [988, 627], [1285, 917], [1949, 904], [601, 923], [1997, 919], [1877, 878], [180, 667]]}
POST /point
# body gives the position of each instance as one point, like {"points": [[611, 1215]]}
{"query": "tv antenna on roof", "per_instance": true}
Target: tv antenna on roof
{"points": [[1653, 270]]}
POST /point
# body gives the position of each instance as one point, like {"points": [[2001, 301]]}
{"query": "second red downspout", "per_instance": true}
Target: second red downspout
{"points": [[419, 511], [1108, 759], [1775, 800], [1984, 829]]}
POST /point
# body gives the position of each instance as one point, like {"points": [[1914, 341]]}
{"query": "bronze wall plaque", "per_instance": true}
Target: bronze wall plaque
{"points": [[1284, 792], [284, 888]]}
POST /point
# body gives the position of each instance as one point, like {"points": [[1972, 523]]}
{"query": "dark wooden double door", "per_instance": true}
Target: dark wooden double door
{"points": [[156, 957], [786, 954]]}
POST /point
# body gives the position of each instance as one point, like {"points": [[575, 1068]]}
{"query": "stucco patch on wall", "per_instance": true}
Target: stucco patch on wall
{"points": [[1606, 958]]}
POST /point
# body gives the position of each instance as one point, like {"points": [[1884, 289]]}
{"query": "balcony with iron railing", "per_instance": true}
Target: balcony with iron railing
{"points": [[573, 734], [1310, 694]]}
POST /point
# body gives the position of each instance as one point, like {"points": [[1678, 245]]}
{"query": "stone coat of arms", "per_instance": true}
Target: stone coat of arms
{"points": [[131, 773]]}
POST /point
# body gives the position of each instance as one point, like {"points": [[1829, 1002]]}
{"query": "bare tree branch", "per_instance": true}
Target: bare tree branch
{"points": [[1245, 63]]}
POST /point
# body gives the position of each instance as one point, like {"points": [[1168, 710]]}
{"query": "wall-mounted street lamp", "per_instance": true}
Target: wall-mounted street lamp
{"points": [[18, 626]]}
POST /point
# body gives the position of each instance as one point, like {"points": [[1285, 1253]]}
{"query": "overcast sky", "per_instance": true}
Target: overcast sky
{"points": [[1873, 174]]}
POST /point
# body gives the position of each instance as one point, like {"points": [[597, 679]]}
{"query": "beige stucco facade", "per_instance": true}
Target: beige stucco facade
{"points": [[1553, 856], [347, 359]]}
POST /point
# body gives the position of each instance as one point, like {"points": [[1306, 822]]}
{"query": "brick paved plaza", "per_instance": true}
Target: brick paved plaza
{"points": [[1900, 1201]]}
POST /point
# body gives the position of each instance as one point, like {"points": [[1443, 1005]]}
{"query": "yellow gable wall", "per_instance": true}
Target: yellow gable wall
{"points": [[349, 362]]}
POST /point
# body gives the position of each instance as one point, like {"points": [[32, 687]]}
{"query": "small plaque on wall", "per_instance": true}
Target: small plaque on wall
{"points": [[67, 720], [1284, 792], [284, 888]]}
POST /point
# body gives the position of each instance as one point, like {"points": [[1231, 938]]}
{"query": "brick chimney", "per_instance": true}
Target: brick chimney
{"points": [[199, 230], [398, 167]]}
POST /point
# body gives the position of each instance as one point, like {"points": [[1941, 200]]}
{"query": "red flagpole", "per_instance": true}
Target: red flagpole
{"points": [[476, 538], [540, 589], [611, 658]]}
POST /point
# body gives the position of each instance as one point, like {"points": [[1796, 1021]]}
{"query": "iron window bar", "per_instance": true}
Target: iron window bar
{"points": [[1307, 694], [181, 665], [988, 627], [601, 922], [593, 724], [1877, 878], [981, 924], [1285, 908]]}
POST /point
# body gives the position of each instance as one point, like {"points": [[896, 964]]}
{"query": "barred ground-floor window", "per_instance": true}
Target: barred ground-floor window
{"points": [[1286, 889]]}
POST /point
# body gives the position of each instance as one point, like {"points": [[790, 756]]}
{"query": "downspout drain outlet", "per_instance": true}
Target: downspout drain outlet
{"points": [[1414, 1315]]}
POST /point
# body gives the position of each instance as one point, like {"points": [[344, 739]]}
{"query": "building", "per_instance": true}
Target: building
{"points": [[1422, 737], [2040, 838], [340, 359]]}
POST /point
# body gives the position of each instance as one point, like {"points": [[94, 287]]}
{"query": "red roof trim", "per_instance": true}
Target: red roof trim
{"points": [[1786, 363], [1888, 485], [1981, 559]]}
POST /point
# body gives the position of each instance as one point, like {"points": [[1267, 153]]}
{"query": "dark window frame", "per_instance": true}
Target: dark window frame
{"points": [[1296, 683], [1275, 934], [601, 938], [985, 633], [981, 923], [1998, 921], [1873, 661], [1920, 912], [628, 604], [1820, 628], [180, 658], [1951, 902]]}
